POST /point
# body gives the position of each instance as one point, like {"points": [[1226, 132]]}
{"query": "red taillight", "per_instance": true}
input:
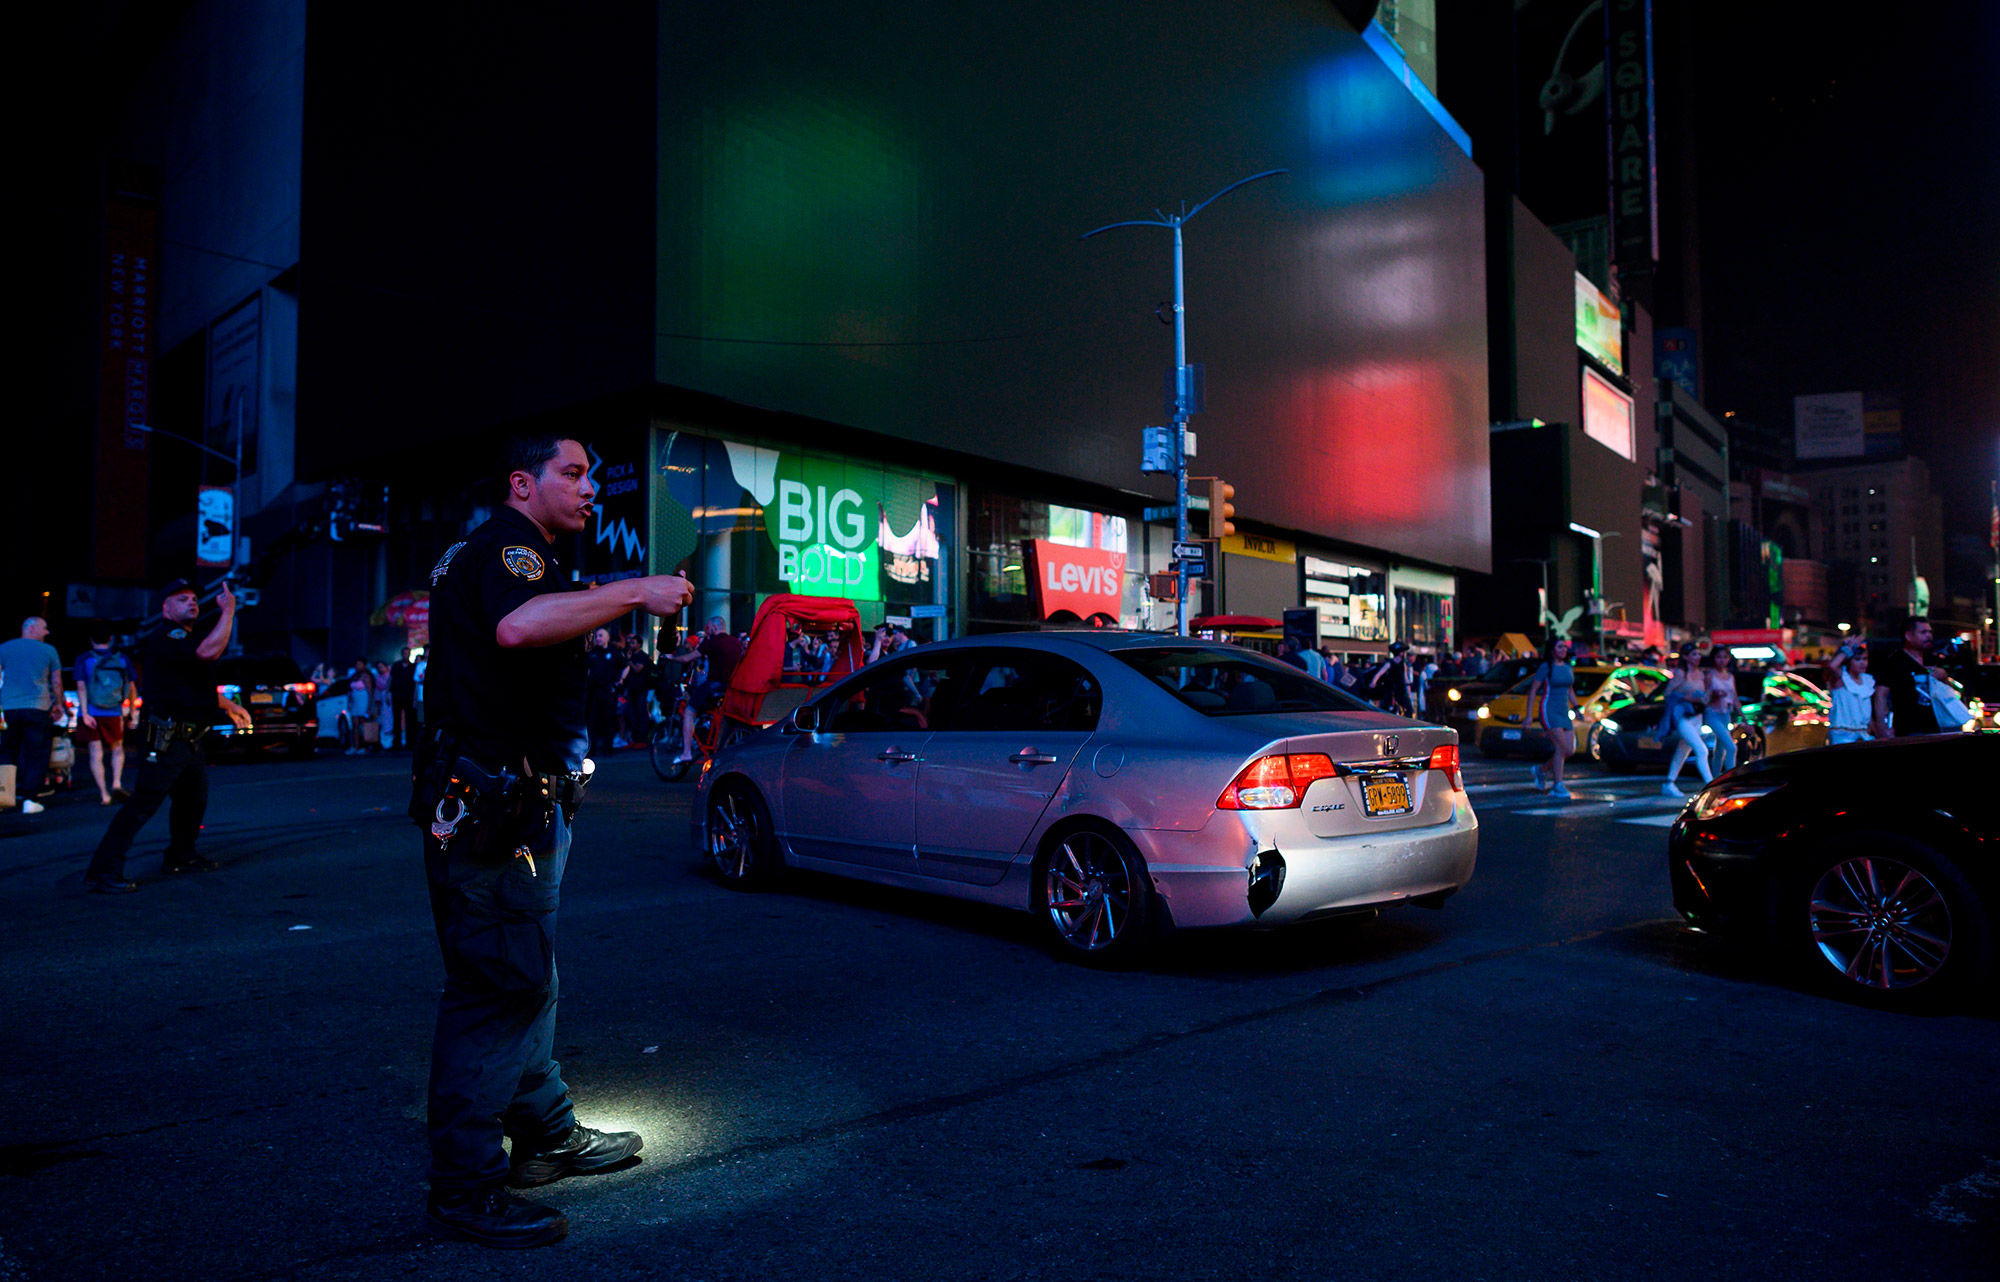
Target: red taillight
{"points": [[305, 689], [1445, 757], [1276, 782]]}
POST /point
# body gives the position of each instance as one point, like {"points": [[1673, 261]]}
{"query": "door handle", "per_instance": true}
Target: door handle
{"points": [[895, 754], [1029, 757]]}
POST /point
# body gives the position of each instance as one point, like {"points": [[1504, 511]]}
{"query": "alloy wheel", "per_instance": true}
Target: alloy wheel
{"points": [[1088, 889], [1880, 922]]}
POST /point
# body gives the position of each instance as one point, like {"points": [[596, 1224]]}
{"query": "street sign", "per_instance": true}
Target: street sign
{"points": [[1156, 452], [1195, 569], [1152, 514], [215, 526], [1189, 551]]}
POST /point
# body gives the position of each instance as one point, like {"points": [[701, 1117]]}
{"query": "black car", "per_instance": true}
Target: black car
{"points": [[283, 717], [1873, 869]]}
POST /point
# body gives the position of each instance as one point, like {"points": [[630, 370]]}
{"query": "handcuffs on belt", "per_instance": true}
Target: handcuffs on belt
{"points": [[471, 787]]}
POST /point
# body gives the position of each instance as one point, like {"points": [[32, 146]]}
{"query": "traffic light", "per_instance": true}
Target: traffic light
{"points": [[1220, 509]]}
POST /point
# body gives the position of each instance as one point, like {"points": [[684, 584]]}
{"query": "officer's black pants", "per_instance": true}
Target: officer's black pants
{"points": [[181, 772], [493, 1070]]}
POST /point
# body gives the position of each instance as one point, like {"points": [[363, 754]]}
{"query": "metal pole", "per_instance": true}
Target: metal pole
{"points": [[1180, 430], [236, 492], [1181, 387]]}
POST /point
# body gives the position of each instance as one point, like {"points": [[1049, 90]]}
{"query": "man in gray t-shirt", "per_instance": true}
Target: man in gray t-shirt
{"points": [[31, 701]]}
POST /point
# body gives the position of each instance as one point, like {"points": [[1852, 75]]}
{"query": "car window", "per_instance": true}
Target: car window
{"points": [[1223, 683], [1026, 691], [1587, 683], [917, 693]]}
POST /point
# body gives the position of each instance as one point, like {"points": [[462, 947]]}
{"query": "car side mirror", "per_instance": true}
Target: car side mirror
{"points": [[805, 719]]}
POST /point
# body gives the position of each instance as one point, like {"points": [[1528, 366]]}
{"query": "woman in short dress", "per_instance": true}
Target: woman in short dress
{"points": [[1552, 703]]}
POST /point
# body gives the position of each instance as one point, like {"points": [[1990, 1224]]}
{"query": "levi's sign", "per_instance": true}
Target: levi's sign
{"points": [[1083, 581]]}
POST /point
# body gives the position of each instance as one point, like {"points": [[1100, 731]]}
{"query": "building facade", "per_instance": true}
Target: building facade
{"points": [[814, 294]]}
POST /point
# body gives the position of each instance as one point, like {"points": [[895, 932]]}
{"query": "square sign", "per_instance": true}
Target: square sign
{"points": [[215, 526], [1190, 551]]}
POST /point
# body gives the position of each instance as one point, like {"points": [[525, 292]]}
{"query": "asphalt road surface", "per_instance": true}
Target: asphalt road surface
{"points": [[223, 1076]]}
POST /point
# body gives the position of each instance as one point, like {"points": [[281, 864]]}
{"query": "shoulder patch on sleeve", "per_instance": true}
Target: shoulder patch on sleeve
{"points": [[444, 562], [177, 634], [522, 562]]}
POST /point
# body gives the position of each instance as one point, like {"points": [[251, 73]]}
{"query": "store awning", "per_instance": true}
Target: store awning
{"points": [[1230, 622]]}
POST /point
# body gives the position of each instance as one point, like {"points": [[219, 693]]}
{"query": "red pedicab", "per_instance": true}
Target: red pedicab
{"points": [[762, 691]]}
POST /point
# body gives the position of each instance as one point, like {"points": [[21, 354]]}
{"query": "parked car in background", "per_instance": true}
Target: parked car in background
{"points": [[1105, 782], [1634, 734], [1871, 869], [279, 700], [1502, 727], [1781, 711], [1455, 701]]}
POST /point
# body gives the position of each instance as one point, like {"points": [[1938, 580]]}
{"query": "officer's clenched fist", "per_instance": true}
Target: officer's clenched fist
{"points": [[665, 593]]}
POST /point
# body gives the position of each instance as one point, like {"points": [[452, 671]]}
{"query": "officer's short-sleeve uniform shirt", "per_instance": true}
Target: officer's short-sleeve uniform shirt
{"points": [[503, 704], [179, 684]]}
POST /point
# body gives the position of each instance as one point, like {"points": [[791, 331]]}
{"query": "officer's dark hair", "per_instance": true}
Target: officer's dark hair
{"points": [[1910, 624], [530, 452]]}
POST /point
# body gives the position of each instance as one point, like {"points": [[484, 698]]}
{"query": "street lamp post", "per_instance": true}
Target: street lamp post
{"points": [[1183, 380], [235, 462]]}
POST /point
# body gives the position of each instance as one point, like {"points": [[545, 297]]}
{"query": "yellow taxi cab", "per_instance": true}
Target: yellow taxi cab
{"points": [[1501, 726]]}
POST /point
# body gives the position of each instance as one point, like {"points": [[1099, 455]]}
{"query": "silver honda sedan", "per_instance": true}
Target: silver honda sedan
{"points": [[1110, 783]]}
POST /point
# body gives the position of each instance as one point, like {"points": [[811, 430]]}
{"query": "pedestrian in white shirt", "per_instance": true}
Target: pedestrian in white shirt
{"points": [[1853, 691]]}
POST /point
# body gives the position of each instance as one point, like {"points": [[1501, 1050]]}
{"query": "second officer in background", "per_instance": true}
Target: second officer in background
{"points": [[499, 773]]}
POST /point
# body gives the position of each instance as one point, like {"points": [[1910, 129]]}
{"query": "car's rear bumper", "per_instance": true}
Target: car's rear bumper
{"points": [[275, 734], [1205, 877]]}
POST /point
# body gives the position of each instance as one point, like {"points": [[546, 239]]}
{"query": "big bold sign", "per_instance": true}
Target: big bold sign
{"points": [[1084, 581], [824, 529], [1628, 111]]}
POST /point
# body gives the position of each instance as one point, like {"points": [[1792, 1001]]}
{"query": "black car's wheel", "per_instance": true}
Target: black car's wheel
{"points": [[1887, 920], [1093, 897], [741, 845], [1749, 742]]}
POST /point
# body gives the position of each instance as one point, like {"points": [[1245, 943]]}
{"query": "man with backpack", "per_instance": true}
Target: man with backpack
{"points": [[105, 678]]}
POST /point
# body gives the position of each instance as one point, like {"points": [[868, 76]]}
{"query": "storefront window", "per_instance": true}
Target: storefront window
{"points": [[1352, 600], [1426, 617], [1084, 565], [748, 520]]}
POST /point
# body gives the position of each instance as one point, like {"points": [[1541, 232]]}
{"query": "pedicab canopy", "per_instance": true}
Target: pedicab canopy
{"points": [[762, 671]]}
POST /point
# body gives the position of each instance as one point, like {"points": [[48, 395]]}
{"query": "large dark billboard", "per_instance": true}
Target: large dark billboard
{"points": [[876, 223]]}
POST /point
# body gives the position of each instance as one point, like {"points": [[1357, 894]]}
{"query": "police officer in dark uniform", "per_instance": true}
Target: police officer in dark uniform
{"points": [[499, 773], [180, 705]]}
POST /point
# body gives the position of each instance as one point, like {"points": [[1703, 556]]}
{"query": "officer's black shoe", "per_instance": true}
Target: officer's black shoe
{"points": [[191, 863], [494, 1217], [109, 885], [581, 1152]]}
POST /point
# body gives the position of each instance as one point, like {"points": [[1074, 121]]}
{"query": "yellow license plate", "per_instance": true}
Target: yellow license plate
{"points": [[263, 696], [1385, 795]]}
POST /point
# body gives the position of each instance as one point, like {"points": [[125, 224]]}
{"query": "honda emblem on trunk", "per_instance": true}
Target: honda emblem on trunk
{"points": [[1385, 744]]}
